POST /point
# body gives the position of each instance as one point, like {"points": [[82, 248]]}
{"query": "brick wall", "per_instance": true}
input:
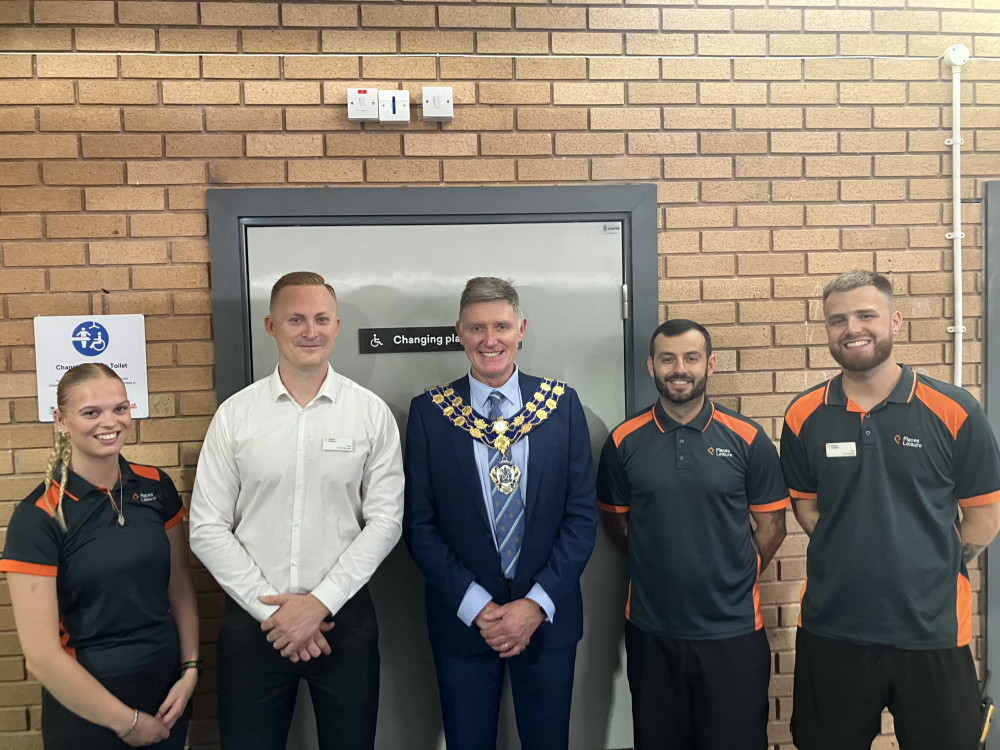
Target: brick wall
{"points": [[789, 141]]}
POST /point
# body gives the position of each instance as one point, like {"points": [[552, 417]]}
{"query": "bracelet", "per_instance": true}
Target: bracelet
{"points": [[127, 732], [198, 664]]}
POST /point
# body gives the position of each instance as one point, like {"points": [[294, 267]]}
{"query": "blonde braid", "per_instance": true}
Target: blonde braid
{"points": [[61, 452]]}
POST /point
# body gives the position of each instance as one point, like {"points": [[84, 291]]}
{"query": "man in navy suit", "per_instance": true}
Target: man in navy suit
{"points": [[500, 515]]}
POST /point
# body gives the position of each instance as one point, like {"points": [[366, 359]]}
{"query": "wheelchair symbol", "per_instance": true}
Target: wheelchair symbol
{"points": [[90, 338], [376, 342]]}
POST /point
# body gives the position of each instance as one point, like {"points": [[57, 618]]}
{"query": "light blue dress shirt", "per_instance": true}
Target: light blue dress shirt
{"points": [[476, 597]]}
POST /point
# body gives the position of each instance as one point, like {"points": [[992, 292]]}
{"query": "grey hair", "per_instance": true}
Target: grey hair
{"points": [[490, 289], [848, 282]]}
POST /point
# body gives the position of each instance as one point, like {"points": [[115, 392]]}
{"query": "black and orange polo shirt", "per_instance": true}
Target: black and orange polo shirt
{"points": [[111, 580], [885, 559], [688, 490]]}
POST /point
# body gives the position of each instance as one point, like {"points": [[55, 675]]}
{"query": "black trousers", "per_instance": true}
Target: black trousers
{"points": [[842, 687], [64, 730], [698, 695], [258, 686]]}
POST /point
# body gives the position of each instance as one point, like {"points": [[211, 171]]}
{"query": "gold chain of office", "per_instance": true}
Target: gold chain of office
{"points": [[536, 411]]}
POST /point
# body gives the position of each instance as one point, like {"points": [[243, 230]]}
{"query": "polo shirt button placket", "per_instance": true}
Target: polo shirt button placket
{"points": [[867, 425]]}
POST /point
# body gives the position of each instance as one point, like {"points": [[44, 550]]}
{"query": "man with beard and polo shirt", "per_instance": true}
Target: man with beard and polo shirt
{"points": [[678, 485], [895, 477]]}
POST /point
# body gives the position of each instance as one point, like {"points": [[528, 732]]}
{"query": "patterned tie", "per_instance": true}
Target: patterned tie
{"points": [[508, 510]]}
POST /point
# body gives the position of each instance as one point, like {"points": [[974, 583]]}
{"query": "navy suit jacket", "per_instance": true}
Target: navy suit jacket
{"points": [[446, 529]]}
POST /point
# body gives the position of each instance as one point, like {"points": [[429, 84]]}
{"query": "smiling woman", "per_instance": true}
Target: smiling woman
{"points": [[104, 519]]}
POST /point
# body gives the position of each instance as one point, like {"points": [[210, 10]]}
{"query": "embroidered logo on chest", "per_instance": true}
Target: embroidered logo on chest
{"points": [[720, 452], [907, 442]]}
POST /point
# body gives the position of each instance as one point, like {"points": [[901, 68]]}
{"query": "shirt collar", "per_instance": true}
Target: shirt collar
{"points": [[667, 423], [479, 392], [901, 393], [329, 390]]}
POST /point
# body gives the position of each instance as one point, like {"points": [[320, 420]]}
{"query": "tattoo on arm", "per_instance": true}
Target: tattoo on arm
{"points": [[971, 551]]}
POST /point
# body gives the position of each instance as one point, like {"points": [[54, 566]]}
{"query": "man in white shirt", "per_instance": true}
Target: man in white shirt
{"points": [[298, 499]]}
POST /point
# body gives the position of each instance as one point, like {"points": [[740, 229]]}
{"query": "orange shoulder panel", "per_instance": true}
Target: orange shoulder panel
{"points": [[149, 472], [741, 428], [53, 500], [626, 428], [946, 409], [799, 412]]}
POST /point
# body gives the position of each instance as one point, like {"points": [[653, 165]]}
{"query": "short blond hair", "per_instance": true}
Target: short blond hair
{"points": [[848, 282], [299, 278]]}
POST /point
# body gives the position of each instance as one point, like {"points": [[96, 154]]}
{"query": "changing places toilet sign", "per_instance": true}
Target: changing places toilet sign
{"points": [[62, 341]]}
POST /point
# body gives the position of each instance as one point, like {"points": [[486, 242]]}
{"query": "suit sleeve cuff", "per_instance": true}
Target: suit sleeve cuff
{"points": [[538, 595], [476, 597]]}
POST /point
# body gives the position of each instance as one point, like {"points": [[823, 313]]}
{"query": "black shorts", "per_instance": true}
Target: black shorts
{"points": [[704, 695], [64, 730], [842, 687]]}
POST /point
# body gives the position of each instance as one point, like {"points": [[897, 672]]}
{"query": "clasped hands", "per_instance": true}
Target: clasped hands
{"points": [[297, 628], [508, 628]]}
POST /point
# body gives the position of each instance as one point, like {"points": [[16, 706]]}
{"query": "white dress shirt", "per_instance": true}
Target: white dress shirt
{"points": [[293, 499]]}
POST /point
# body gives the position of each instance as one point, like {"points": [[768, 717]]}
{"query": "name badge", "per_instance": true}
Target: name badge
{"points": [[841, 450], [338, 444]]}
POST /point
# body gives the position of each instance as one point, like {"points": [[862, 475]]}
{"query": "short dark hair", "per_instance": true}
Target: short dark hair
{"points": [[848, 282], [490, 289], [299, 278], [676, 327]]}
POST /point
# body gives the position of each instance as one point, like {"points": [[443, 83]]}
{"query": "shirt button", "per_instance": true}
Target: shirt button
{"points": [[682, 440], [682, 458], [868, 432]]}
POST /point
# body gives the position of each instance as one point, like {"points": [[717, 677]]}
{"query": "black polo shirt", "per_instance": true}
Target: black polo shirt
{"points": [[885, 559], [688, 489], [111, 580]]}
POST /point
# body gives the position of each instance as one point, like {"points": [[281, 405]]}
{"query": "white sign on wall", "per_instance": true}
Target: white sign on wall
{"points": [[62, 341]]}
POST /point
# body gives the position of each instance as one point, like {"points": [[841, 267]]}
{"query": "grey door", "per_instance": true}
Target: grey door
{"points": [[569, 276]]}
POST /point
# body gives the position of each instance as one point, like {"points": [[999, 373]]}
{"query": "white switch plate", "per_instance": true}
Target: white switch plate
{"points": [[439, 104], [362, 105], [393, 105]]}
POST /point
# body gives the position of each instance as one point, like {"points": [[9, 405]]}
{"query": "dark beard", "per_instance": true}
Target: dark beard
{"points": [[850, 362], [696, 392]]}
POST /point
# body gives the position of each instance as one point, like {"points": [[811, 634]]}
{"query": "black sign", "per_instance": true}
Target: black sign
{"points": [[418, 339]]}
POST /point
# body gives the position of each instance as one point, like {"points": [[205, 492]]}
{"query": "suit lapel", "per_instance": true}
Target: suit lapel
{"points": [[538, 447], [462, 445]]}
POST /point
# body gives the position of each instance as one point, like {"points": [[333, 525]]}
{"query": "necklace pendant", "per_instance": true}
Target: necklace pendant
{"points": [[121, 520], [505, 476]]}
